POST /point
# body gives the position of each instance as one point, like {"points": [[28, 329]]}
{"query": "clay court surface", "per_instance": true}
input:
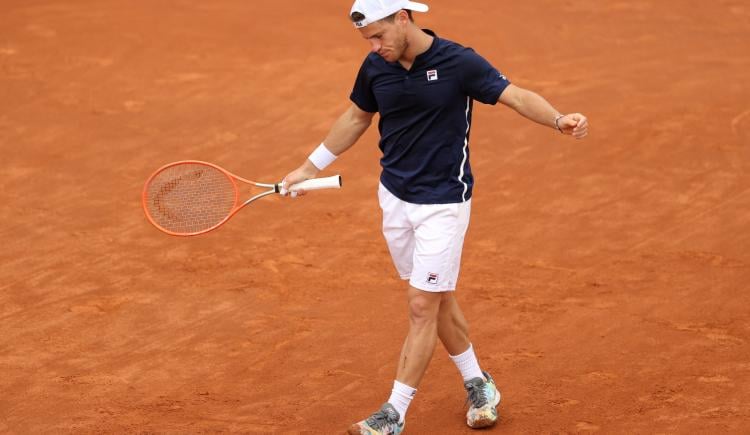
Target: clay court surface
{"points": [[606, 280]]}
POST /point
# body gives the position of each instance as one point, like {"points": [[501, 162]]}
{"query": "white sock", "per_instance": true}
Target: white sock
{"points": [[467, 364], [401, 396]]}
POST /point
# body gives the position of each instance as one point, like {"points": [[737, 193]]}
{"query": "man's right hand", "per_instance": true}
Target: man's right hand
{"points": [[304, 172]]}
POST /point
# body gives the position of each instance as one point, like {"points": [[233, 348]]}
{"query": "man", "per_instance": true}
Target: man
{"points": [[424, 87]]}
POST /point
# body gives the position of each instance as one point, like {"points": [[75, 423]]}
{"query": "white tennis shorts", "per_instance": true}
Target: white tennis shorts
{"points": [[425, 240]]}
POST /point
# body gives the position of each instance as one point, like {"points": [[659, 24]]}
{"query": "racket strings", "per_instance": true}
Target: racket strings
{"points": [[190, 198]]}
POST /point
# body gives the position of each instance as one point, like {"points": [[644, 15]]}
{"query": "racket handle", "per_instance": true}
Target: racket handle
{"points": [[333, 182]]}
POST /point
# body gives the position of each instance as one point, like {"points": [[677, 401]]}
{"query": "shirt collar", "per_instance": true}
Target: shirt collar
{"points": [[430, 51], [420, 58]]}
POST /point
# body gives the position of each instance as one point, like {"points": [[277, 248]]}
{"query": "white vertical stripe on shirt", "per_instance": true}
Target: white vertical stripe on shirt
{"points": [[466, 145]]}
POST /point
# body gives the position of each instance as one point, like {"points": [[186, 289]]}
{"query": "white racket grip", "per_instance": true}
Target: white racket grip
{"points": [[333, 182]]}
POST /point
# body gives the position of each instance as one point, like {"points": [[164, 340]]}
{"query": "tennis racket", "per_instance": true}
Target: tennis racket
{"points": [[191, 197]]}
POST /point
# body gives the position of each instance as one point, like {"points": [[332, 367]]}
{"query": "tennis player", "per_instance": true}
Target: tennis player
{"points": [[424, 87]]}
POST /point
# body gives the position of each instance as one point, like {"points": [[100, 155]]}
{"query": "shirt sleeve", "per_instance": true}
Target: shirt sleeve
{"points": [[362, 94], [480, 80]]}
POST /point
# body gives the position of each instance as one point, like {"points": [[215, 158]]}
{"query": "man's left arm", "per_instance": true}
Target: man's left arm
{"points": [[534, 107]]}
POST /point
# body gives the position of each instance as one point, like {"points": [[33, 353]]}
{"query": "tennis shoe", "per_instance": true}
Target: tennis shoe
{"points": [[383, 422], [483, 398]]}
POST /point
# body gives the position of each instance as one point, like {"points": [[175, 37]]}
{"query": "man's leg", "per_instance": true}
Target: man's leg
{"points": [[454, 334], [423, 332], [453, 331], [398, 231], [415, 357]]}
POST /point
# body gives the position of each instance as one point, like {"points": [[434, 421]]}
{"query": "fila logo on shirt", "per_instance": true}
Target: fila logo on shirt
{"points": [[432, 75]]}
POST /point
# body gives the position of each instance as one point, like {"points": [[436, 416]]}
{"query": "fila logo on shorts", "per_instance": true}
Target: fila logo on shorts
{"points": [[432, 278], [432, 75]]}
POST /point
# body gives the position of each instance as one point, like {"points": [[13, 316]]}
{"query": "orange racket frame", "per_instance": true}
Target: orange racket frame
{"points": [[313, 184]]}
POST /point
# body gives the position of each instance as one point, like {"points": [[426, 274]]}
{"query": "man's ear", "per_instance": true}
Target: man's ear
{"points": [[402, 17]]}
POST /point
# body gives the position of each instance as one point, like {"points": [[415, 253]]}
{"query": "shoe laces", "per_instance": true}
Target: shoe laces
{"points": [[477, 393], [382, 419]]}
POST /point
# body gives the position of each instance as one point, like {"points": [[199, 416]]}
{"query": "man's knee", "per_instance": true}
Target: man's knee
{"points": [[423, 306]]}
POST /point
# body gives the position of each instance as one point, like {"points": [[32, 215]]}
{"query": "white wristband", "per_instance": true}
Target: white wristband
{"points": [[322, 157]]}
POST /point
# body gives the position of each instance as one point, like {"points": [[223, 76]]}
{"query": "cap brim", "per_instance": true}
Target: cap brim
{"points": [[418, 7]]}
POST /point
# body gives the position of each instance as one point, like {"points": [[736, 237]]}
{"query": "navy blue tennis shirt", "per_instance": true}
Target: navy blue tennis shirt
{"points": [[425, 118]]}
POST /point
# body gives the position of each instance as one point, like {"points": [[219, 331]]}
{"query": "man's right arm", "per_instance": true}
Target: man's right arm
{"points": [[347, 129], [343, 134]]}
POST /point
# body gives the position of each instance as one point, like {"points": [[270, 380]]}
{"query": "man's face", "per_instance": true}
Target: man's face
{"points": [[388, 39]]}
